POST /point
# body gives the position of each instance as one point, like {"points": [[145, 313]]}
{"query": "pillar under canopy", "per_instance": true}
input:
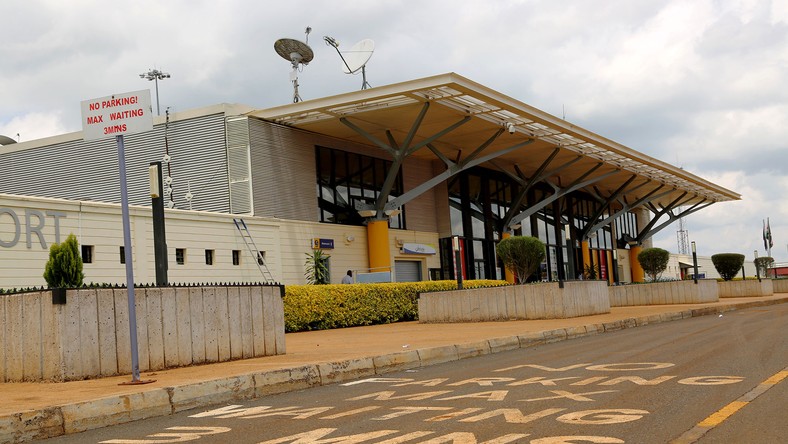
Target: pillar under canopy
{"points": [[379, 248], [638, 275]]}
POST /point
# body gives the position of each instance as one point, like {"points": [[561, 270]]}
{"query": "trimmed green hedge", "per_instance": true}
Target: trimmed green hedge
{"points": [[728, 265], [654, 261], [322, 307]]}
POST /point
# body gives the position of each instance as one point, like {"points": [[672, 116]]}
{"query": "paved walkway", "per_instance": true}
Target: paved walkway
{"points": [[39, 410]]}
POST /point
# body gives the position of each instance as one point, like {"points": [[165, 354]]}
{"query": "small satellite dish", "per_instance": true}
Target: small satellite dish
{"points": [[299, 54], [355, 58]]}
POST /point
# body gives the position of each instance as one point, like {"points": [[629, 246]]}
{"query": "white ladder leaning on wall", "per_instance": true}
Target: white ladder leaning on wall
{"points": [[253, 250]]}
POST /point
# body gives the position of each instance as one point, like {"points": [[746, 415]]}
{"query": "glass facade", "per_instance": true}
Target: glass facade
{"points": [[479, 204], [479, 201], [348, 181]]}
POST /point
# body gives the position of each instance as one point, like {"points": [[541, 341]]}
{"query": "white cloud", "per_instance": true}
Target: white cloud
{"points": [[33, 126], [699, 84]]}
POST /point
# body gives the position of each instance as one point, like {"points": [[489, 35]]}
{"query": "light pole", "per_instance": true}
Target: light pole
{"points": [[455, 243], [695, 262], [155, 75]]}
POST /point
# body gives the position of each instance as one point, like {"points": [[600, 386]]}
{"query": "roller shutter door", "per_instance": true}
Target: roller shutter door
{"points": [[407, 271]]}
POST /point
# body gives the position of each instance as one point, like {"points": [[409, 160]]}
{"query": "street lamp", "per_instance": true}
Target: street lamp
{"points": [[155, 75], [695, 262]]}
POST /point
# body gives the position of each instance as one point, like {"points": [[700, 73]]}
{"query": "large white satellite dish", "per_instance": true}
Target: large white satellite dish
{"points": [[299, 54], [355, 58]]}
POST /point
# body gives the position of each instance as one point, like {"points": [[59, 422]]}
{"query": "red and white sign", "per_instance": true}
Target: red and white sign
{"points": [[117, 115]]}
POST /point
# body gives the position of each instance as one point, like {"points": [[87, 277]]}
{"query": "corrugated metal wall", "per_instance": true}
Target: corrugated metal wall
{"points": [[283, 172], [88, 170], [284, 175], [239, 166], [271, 169]]}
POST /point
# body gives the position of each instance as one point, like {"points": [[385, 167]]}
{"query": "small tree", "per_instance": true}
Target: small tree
{"points": [[762, 264], [316, 268], [654, 261], [728, 265], [521, 254], [64, 267]]}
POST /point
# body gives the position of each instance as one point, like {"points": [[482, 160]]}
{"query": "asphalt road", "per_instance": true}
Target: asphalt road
{"points": [[713, 379]]}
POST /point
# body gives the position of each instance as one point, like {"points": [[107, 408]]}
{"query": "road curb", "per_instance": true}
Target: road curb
{"points": [[77, 417]]}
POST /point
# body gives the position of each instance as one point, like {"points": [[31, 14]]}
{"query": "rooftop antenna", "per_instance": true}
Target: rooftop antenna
{"points": [[682, 235], [299, 54], [355, 58]]}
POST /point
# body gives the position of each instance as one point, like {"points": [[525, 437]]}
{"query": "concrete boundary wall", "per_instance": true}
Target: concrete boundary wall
{"points": [[538, 301], [88, 336], [748, 288], [662, 293], [780, 285]]}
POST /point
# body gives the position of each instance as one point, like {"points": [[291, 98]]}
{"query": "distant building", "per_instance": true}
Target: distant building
{"points": [[680, 266]]}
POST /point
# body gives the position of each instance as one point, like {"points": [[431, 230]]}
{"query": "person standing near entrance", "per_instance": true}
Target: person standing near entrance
{"points": [[348, 279]]}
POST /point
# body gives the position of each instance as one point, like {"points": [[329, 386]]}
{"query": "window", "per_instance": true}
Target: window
{"points": [[261, 257], [180, 256], [122, 255], [208, 257], [87, 254], [236, 257], [346, 182]]}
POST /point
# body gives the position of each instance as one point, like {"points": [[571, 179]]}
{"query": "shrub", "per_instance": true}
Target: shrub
{"points": [[64, 267], [728, 265], [521, 254], [310, 307], [654, 261], [316, 270], [762, 264]]}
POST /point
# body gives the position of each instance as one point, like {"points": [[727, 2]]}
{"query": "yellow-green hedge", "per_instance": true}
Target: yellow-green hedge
{"points": [[321, 307]]}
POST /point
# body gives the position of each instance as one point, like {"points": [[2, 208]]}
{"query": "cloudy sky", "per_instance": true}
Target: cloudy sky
{"points": [[701, 84]]}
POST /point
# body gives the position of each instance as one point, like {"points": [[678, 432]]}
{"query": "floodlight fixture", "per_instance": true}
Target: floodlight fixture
{"points": [[155, 75]]}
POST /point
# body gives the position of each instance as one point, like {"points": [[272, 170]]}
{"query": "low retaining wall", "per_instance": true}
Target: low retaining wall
{"points": [[780, 285], [535, 301], [88, 336], [748, 288], [664, 293]]}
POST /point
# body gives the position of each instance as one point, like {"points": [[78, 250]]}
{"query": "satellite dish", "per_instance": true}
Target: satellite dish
{"points": [[5, 140], [294, 51], [355, 58], [299, 54], [358, 56]]}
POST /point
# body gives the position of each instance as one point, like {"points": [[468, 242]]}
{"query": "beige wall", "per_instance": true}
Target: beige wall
{"points": [[285, 243]]}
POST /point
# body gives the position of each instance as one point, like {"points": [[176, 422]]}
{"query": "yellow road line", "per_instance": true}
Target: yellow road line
{"points": [[777, 377], [722, 414], [694, 434]]}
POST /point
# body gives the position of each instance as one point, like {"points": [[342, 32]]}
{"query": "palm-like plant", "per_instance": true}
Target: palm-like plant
{"points": [[316, 268]]}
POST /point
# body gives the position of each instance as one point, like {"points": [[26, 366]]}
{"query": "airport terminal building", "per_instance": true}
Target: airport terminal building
{"points": [[380, 179]]}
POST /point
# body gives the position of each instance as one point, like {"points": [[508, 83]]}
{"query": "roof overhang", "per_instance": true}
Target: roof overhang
{"points": [[387, 114]]}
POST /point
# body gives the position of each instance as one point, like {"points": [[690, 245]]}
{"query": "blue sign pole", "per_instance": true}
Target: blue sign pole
{"points": [[124, 200]]}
